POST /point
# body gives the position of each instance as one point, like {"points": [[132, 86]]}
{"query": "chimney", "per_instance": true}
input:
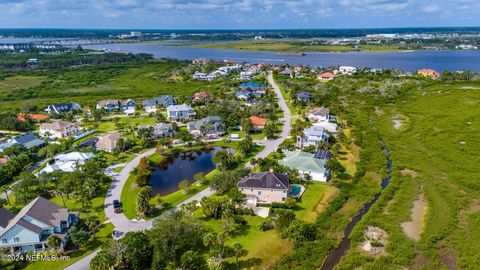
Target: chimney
{"points": [[271, 170]]}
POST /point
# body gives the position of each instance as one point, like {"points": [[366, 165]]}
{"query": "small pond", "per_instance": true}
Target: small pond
{"points": [[177, 167]]}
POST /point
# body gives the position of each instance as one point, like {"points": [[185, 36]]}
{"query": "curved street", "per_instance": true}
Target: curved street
{"points": [[123, 224]]}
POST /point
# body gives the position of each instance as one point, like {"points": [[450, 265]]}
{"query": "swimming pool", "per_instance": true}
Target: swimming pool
{"points": [[296, 190]]}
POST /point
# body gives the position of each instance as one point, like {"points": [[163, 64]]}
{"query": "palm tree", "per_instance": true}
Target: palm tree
{"points": [[5, 191], [102, 261]]}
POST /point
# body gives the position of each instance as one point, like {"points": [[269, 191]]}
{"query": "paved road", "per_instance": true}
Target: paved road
{"points": [[123, 224]]}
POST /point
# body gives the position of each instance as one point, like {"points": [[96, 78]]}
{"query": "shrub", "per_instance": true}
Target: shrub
{"points": [[265, 225]]}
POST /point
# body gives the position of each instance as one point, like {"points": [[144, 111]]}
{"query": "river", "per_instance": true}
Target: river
{"points": [[408, 61]]}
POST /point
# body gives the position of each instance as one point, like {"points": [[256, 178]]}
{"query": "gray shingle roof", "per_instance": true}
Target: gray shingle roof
{"points": [[267, 180], [28, 140]]}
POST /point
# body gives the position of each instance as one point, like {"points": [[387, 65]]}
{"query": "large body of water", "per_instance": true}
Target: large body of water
{"points": [[177, 167], [408, 61]]}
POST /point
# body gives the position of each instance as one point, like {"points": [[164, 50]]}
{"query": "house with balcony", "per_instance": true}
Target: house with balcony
{"points": [[265, 187], [29, 230], [110, 105], [312, 136], [317, 115], [151, 105], [210, 126], [59, 129], [180, 112]]}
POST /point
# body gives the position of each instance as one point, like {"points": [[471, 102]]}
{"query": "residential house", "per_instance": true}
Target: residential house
{"points": [[306, 164], [253, 102], [29, 140], [200, 76], [63, 108], [151, 105], [258, 122], [246, 75], [286, 72], [163, 130], [59, 129], [29, 230], [201, 98], [109, 105], [265, 187], [211, 126], [312, 136], [304, 96], [180, 112], [108, 142], [331, 127], [326, 76], [243, 94], [346, 70], [32, 116], [317, 115], [252, 86], [200, 61], [428, 73], [66, 162]]}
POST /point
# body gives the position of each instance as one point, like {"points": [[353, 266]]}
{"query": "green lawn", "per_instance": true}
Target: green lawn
{"points": [[19, 82], [314, 200], [108, 125], [264, 248], [96, 207], [103, 235]]}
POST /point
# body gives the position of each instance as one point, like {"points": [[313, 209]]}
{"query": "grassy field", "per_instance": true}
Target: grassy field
{"points": [[296, 45], [316, 197], [434, 154], [19, 82]]}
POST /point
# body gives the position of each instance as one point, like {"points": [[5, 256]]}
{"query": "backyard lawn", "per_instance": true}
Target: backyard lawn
{"points": [[315, 199]]}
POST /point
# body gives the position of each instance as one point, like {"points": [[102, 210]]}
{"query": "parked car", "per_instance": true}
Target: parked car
{"points": [[117, 206]]}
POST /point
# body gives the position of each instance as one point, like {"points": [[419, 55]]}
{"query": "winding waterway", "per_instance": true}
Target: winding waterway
{"points": [[336, 255], [408, 61]]}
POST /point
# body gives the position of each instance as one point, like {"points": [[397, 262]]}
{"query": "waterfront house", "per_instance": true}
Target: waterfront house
{"points": [[304, 96], [265, 187], [151, 105], [258, 122], [306, 164], [61, 108], [312, 136], [430, 73], [108, 142], [59, 129], [180, 112], [163, 130], [317, 115], [29, 230], [245, 75], [345, 70], [66, 162], [326, 76], [29, 140], [211, 126]]}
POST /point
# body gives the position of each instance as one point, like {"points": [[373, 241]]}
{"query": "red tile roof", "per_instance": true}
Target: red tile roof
{"points": [[258, 121], [33, 116], [327, 75]]}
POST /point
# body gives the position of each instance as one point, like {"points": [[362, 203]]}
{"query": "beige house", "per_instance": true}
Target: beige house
{"points": [[108, 142], [59, 129], [265, 187]]}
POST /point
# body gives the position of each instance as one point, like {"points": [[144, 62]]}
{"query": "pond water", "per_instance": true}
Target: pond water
{"points": [[177, 167]]}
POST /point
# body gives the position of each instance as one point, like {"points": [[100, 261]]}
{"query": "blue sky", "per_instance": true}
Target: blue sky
{"points": [[237, 14]]}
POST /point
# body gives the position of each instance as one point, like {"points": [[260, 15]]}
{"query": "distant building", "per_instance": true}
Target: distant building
{"points": [[163, 130], [63, 108], [304, 96], [59, 129], [327, 76], [428, 73], [151, 105], [200, 61], [29, 230], [319, 115], [265, 187], [180, 112], [200, 76], [108, 142], [245, 75], [258, 122], [346, 70], [110, 105]]}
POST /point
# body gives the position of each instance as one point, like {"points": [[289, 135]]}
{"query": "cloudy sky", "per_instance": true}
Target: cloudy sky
{"points": [[237, 14]]}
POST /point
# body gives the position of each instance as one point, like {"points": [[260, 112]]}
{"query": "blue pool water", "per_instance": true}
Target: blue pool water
{"points": [[296, 190]]}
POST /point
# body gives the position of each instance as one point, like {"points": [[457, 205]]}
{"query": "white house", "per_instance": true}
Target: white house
{"points": [[346, 70], [318, 115], [66, 162], [312, 137], [200, 76], [306, 164], [59, 129], [180, 112], [245, 75]]}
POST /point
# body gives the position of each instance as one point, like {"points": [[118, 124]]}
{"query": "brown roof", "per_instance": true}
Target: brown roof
{"points": [[46, 212], [109, 141], [327, 75], [33, 116], [57, 125], [258, 121], [320, 111], [267, 180]]}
